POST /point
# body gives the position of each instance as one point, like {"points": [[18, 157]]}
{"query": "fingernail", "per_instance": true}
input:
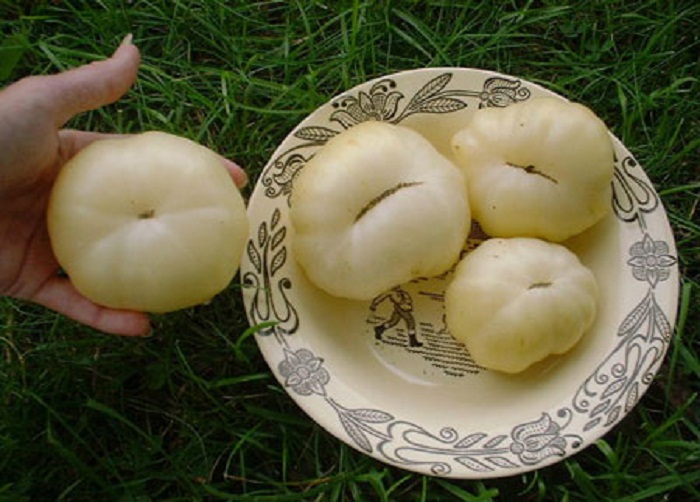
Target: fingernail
{"points": [[244, 180], [127, 40], [240, 177]]}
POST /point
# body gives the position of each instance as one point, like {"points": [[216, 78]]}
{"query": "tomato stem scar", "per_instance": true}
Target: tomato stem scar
{"points": [[148, 213]]}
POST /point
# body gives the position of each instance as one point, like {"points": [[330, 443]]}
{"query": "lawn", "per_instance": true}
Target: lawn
{"points": [[193, 412]]}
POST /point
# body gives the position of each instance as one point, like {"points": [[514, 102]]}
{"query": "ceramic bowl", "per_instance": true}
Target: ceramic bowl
{"points": [[428, 407]]}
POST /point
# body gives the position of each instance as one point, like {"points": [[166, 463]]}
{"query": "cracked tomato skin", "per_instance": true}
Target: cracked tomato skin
{"points": [[151, 222], [377, 206], [540, 168], [513, 302]]}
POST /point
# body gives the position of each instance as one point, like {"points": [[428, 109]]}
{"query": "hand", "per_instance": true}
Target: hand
{"points": [[34, 148]]}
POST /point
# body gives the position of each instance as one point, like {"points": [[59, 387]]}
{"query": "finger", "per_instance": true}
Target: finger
{"points": [[60, 295], [237, 173], [90, 86]]}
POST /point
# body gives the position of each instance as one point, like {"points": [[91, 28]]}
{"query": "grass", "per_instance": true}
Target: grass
{"points": [[193, 412]]}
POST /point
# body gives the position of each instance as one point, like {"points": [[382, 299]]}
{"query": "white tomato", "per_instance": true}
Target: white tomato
{"points": [[377, 206], [515, 301], [540, 168], [152, 222]]}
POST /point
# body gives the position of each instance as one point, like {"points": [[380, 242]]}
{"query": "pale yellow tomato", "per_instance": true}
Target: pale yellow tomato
{"points": [[152, 222], [540, 168], [515, 301], [377, 206]]}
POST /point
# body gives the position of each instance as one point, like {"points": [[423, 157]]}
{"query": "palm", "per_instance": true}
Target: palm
{"points": [[35, 149]]}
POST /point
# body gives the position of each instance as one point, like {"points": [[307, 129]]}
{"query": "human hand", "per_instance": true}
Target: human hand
{"points": [[34, 148]]}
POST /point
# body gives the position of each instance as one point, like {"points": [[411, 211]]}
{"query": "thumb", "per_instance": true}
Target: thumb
{"points": [[91, 86]]}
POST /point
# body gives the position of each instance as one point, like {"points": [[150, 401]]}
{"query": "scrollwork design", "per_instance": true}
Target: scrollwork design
{"points": [[614, 388], [382, 102], [616, 385], [401, 442], [500, 92], [529, 443], [267, 253], [280, 175], [633, 196]]}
